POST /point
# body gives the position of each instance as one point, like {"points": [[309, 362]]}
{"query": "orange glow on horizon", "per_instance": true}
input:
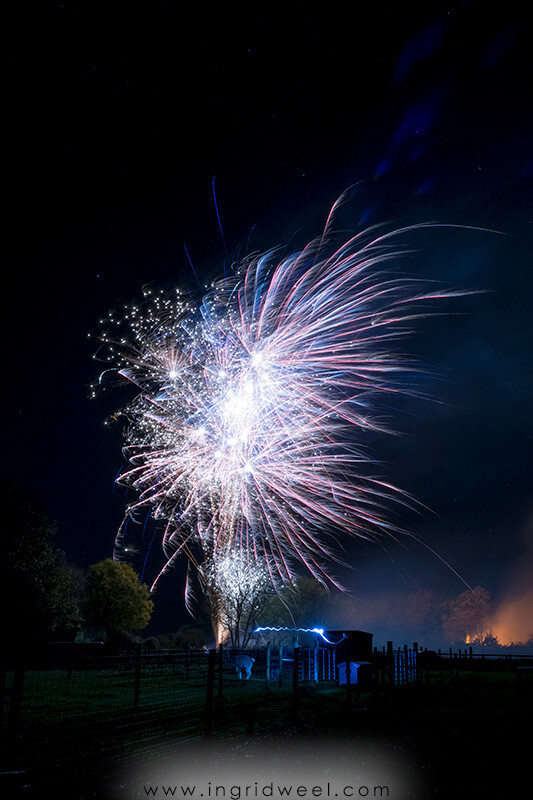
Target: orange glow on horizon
{"points": [[510, 624], [513, 621]]}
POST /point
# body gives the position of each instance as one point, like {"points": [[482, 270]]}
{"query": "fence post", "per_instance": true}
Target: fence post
{"points": [[3, 683], [15, 705], [210, 692], [295, 676], [348, 669], [418, 671], [137, 677], [220, 669], [390, 663], [267, 677]]}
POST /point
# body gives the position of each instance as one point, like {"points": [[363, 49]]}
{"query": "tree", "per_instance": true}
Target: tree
{"points": [[116, 600], [65, 598], [236, 591], [303, 604], [38, 587], [466, 615], [420, 613]]}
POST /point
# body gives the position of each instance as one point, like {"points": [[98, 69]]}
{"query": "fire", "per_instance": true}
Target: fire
{"points": [[513, 620], [483, 639], [510, 624]]}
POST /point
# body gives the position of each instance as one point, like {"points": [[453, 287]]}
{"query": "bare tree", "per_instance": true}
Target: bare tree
{"points": [[237, 590], [467, 615]]}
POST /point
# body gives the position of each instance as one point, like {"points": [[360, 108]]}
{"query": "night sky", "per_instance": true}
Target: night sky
{"points": [[118, 116]]}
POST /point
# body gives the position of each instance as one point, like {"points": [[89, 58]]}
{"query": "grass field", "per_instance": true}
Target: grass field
{"points": [[465, 733]]}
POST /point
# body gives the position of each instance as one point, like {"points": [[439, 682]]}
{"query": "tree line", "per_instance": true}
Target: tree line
{"points": [[44, 598]]}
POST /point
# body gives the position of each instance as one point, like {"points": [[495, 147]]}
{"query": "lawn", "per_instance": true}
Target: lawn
{"points": [[465, 734]]}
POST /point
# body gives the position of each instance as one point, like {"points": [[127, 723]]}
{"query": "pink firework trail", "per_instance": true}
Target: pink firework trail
{"points": [[244, 435]]}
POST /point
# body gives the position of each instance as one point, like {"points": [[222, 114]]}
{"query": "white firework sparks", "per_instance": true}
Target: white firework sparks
{"points": [[244, 436]]}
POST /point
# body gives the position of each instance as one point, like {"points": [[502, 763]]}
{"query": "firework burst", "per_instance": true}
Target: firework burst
{"points": [[245, 434]]}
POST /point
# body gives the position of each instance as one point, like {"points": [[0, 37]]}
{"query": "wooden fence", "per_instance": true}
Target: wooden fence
{"points": [[88, 689]]}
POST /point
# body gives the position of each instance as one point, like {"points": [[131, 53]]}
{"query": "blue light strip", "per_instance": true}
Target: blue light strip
{"points": [[320, 632]]}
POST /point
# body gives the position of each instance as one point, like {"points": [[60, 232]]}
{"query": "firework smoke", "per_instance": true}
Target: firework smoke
{"points": [[245, 435]]}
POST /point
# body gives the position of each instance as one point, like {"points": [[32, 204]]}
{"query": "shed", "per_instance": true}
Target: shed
{"points": [[351, 645]]}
